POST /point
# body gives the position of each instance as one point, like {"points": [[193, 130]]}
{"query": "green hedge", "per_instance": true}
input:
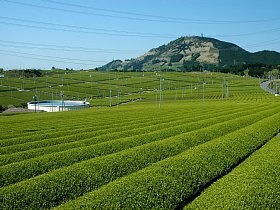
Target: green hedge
{"points": [[53, 188], [19, 171], [86, 139], [171, 182], [254, 184], [97, 128]]}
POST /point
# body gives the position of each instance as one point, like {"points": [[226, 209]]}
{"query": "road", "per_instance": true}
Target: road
{"points": [[264, 86]]}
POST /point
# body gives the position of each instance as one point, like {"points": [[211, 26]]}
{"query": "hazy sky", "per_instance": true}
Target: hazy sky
{"points": [[89, 33]]}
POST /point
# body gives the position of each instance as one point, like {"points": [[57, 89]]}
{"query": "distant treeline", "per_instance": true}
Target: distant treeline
{"points": [[254, 70], [28, 73]]}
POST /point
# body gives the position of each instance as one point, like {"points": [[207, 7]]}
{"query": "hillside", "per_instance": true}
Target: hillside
{"points": [[194, 53]]}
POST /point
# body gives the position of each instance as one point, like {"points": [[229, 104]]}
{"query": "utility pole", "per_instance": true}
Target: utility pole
{"points": [[35, 100], [52, 96], [160, 91], [118, 98], [62, 100], [227, 90], [91, 86], [91, 80], [110, 97], [222, 91], [159, 103], [11, 92], [203, 89], [46, 81]]}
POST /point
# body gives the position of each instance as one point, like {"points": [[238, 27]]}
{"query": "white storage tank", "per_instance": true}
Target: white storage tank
{"points": [[57, 105]]}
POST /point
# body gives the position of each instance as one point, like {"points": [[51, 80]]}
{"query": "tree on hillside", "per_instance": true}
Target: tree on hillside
{"points": [[32, 73], [275, 73]]}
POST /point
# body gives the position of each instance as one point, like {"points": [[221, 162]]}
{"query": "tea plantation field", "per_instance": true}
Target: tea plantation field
{"points": [[115, 88], [190, 141]]}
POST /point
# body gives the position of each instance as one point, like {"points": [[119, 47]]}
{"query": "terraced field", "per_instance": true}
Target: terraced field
{"points": [[207, 149]]}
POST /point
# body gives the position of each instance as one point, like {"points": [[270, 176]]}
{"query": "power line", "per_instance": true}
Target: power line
{"points": [[53, 49], [55, 57], [70, 47], [86, 30], [141, 17], [45, 59], [49, 58], [247, 34], [161, 17], [76, 31], [267, 42], [96, 14], [67, 49]]}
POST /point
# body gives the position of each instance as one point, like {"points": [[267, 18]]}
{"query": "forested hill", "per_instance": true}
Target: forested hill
{"points": [[194, 53]]}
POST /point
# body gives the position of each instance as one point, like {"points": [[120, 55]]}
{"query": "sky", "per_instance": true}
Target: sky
{"points": [[84, 34]]}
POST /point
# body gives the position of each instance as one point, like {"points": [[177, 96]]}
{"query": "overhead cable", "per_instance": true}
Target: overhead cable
{"points": [[140, 17]]}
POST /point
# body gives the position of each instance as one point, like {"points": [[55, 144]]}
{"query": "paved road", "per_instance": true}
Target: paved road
{"points": [[264, 86]]}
